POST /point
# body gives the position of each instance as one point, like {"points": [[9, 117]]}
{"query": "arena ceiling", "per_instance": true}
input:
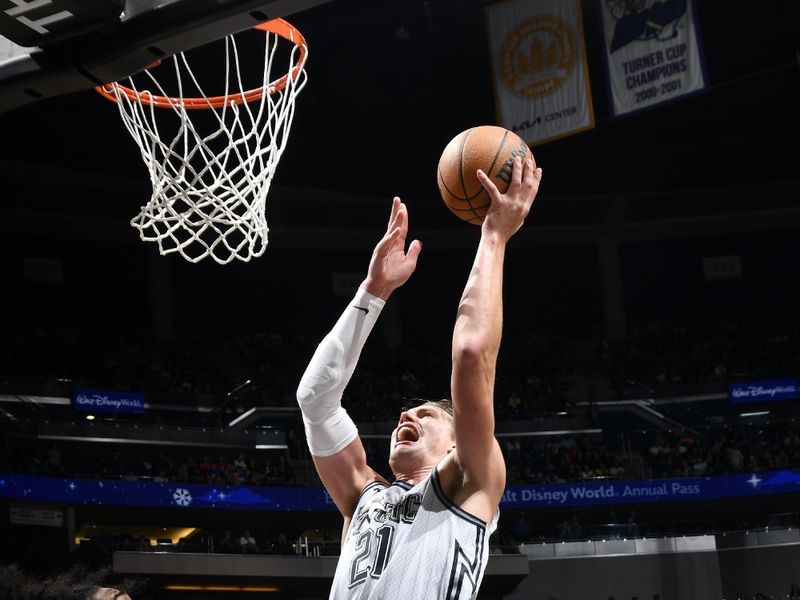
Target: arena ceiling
{"points": [[390, 82]]}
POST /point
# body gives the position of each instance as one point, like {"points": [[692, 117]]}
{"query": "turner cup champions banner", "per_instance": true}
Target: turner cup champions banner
{"points": [[538, 58], [652, 52]]}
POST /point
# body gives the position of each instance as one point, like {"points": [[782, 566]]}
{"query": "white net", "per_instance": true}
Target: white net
{"points": [[211, 169]]}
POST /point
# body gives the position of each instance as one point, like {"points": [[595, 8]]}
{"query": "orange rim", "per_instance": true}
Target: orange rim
{"points": [[277, 26]]}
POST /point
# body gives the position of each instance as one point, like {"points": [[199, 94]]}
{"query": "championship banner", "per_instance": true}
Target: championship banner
{"points": [[540, 78], [652, 52]]}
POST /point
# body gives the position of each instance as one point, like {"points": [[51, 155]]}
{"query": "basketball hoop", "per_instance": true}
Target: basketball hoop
{"points": [[211, 175]]}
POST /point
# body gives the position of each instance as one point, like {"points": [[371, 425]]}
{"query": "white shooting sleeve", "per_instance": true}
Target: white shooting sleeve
{"points": [[328, 426]]}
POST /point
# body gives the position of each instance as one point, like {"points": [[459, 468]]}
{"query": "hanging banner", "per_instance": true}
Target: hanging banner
{"points": [[541, 83], [652, 52]]}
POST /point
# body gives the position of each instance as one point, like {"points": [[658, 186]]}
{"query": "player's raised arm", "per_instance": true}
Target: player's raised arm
{"points": [[332, 436], [476, 342]]}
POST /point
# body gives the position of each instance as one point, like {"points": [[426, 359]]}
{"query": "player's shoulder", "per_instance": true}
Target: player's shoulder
{"points": [[465, 493], [372, 489]]}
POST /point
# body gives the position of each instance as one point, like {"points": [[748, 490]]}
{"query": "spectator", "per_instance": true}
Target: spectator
{"points": [[521, 530], [143, 544], [283, 545], [247, 543], [54, 460], [562, 531], [575, 529], [631, 527], [735, 458], [240, 462], [227, 544], [284, 471]]}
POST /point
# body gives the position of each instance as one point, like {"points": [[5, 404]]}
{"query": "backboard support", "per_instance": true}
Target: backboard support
{"points": [[114, 48]]}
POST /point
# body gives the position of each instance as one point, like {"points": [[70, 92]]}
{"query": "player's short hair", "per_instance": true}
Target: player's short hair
{"points": [[444, 404]]}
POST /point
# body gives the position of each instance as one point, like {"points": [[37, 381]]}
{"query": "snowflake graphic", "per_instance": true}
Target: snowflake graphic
{"points": [[182, 497]]}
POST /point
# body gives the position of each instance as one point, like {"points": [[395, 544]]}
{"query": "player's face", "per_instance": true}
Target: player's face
{"points": [[423, 435]]}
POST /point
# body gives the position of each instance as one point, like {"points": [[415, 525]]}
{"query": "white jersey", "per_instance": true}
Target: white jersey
{"points": [[411, 543]]}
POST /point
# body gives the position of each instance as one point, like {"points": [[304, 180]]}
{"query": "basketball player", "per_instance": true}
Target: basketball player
{"points": [[425, 535]]}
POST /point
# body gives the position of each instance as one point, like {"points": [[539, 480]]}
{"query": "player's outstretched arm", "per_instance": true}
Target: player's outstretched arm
{"points": [[332, 436], [476, 342]]}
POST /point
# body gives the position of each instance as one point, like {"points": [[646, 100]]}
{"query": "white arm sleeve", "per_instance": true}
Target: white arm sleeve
{"points": [[328, 426]]}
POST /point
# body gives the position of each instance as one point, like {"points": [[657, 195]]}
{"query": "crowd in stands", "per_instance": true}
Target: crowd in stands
{"points": [[729, 450], [190, 366], [224, 542], [537, 372], [534, 460], [516, 527], [657, 454], [232, 469], [529, 459]]}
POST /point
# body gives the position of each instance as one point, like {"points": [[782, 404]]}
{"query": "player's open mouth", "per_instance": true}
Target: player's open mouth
{"points": [[407, 434]]}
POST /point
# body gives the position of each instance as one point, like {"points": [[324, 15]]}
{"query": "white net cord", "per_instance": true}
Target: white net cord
{"points": [[211, 172]]}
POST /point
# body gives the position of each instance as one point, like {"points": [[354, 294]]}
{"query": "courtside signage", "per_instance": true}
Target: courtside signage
{"points": [[87, 400], [763, 391], [116, 492], [186, 495], [685, 489]]}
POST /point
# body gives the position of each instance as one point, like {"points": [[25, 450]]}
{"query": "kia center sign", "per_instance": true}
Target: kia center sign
{"points": [[107, 401]]}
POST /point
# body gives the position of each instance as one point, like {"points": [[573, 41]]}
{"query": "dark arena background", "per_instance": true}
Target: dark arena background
{"points": [[647, 385]]}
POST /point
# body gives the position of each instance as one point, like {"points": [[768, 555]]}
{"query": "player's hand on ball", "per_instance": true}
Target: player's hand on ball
{"points": [[508, 211], [391, 265]]}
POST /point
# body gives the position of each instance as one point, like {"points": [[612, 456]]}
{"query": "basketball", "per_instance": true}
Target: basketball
{"points": [[487, 147]]}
